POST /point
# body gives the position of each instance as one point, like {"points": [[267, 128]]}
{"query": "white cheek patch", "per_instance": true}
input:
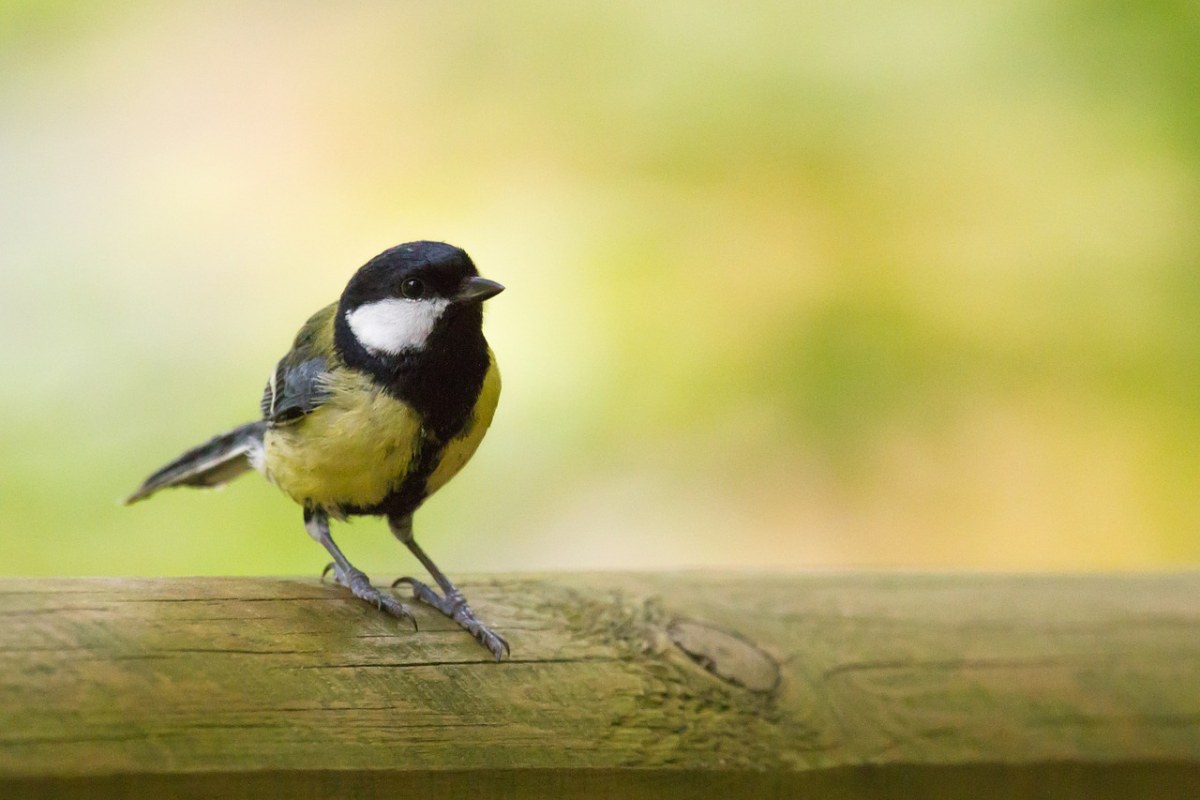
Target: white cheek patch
{"points": [[394, 325]]}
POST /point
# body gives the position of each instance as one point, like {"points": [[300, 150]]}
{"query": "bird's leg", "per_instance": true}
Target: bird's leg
{"points": [[451, 601], [317, 525]]}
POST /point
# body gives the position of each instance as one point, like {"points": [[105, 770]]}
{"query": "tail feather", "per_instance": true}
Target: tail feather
{"points": [[217, 461]]}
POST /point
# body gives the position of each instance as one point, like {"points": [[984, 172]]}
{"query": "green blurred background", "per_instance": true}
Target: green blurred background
{"points": [[797, 285]]}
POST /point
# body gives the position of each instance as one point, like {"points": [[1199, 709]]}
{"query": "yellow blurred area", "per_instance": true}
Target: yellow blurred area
{"points": [[789, 285]]}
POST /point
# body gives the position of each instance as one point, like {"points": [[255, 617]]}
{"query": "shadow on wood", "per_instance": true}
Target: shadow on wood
{"points": [[619, 685]]}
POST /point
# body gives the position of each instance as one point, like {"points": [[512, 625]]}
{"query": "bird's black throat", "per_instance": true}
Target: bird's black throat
{"points": [[441, 381]]}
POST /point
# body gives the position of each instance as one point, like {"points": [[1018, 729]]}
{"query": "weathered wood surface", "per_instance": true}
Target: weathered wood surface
{"points": [[831, 686]]}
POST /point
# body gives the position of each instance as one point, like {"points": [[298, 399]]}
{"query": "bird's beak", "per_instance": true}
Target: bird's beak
{"points": [[476, 289]]}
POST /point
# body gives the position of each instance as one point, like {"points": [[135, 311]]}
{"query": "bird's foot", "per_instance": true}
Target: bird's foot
{"points": [[360, 586], [454, 606]]}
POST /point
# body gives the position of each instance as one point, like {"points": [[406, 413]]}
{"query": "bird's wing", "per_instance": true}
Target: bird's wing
{"points": [[299, 384]]}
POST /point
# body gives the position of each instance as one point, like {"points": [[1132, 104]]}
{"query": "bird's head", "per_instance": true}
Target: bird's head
{"points": [[397, 301]]}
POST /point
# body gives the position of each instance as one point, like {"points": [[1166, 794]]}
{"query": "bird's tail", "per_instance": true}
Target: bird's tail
{"points": [[217, 461]]}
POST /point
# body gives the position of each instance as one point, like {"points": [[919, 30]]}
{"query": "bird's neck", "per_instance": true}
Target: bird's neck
{"points": [[441, 380]]}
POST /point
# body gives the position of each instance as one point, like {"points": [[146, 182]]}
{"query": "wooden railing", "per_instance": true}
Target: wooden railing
{"points": [[619, 686]]}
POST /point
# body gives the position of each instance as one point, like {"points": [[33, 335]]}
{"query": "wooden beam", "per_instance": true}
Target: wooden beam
{"points": [[619, 685]]}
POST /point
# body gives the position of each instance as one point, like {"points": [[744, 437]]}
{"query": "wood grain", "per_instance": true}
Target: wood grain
{"points": [[619, 685]]}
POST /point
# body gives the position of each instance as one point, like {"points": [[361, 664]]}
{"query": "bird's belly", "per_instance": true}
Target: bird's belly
{"points": [[352, 451]]}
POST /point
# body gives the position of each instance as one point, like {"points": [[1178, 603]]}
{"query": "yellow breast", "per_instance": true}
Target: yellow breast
{"points": [[351, 451], [362, 443]]}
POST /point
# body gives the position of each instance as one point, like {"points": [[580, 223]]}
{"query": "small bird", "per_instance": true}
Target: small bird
{"points": [[382, 399]]}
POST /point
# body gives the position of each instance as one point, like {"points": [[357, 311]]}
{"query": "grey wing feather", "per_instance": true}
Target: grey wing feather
{"points": [[294, 390]]}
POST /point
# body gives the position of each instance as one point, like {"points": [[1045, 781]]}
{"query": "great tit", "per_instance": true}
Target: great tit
{"points": [[384, 396]]}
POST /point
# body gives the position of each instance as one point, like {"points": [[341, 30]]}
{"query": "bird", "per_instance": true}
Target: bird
{"points": [[384, 396]]}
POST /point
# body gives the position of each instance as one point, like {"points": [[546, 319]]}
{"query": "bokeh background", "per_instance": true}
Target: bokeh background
{"points": [[806, 285]]}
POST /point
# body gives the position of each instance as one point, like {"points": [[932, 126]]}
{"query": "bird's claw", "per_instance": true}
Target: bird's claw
{"points": [[454, 606], [360, 586]]}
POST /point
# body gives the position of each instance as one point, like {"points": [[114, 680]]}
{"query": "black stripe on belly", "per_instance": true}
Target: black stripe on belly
{"points": [[404, 500], [441, 383]]}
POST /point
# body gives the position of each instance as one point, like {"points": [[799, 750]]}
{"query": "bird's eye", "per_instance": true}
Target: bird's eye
{"points": [[412, 288]]}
